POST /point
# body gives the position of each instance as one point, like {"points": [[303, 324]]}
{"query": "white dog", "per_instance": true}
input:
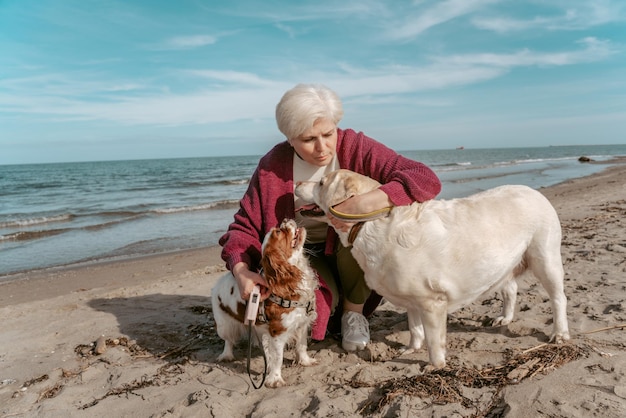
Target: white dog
{"points": [[435, 257], [283, 318]]}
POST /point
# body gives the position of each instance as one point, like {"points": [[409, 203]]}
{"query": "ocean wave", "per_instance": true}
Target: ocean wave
{"points": [[121, 216], [235, 182], [456, 164], [492, 176], [31, 235], [541, 160], [117, 213], [228, 182], [222, 204], [98, 227], [37, 221]]}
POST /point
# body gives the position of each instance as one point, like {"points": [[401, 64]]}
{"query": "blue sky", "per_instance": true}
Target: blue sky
{"points": [[84, 80]]}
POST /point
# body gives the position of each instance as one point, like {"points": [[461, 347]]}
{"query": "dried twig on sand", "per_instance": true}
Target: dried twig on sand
{"points": [[445, 385]]}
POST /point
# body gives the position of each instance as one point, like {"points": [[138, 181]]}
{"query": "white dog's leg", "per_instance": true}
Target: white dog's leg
{"points": [[509, 296], [227, 354], [434, 318], [416, 330], [274, 351], [560, 332], [302, 357], [230, 331], [551, 277]]}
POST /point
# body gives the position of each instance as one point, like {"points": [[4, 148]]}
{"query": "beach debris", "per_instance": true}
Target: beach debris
{"points": [[584, 159], [593, 331], [215, 269], [101, 345], [164, 375], [29, 383], [447, 385], [50, 392], [200, 309]]}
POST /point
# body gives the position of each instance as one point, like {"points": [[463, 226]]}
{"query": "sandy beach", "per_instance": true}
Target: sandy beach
{"points": [[136, 338]]}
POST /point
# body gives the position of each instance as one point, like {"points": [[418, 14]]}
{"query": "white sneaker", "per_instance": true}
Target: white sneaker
{"points": [[355, 331]]}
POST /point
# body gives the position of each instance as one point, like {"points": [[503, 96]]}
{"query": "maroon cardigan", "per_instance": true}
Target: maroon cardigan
{"points": [[269, 198]]}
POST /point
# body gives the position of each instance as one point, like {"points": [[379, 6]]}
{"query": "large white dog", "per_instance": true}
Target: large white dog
{"points": [[435, 257]]}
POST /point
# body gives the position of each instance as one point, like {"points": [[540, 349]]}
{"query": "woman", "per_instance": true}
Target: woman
{"points": [[308, 116]]}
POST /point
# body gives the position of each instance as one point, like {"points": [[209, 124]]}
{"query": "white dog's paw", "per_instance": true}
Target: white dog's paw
{"points": [[408, 350], [275, 382], [431, 367], [559, 338], [225, 357], [501, 321], [307, 361]]}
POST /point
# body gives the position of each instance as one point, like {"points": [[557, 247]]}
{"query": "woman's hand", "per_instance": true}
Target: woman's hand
{"points": [[246, 280]]}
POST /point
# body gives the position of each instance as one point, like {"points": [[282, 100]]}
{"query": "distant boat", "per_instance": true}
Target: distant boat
{"points": [[461, 147]]}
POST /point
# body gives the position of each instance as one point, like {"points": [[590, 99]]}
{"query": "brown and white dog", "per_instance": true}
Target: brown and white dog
{"points": [[438, 256], [283, 318]]}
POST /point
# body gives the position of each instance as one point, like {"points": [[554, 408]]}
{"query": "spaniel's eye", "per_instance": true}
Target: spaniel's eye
{"points": [[322, 181]]}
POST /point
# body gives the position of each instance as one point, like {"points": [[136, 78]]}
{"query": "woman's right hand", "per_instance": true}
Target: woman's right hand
{"points": [[246, 280]]}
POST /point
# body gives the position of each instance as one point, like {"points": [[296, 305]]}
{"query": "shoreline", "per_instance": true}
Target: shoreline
{"points": [[18, 265], [137, 338], [61, 280]]}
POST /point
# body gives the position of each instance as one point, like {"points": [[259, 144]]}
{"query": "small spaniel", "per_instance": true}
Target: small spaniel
{"points": [[286, 315]]}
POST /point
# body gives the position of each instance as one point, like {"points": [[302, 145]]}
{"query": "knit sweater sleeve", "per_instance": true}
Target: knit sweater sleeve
{"points": [[404, 180], [242, 240], [267, 201]]}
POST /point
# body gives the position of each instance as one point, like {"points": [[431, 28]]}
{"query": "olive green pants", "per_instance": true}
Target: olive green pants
{"points": [[341, 273]]}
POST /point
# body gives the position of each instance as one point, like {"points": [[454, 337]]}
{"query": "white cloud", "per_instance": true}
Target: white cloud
{"points": [[235, 77], [189, 42], [244, 95], [440, 12], [594, 50], [573, 15]]}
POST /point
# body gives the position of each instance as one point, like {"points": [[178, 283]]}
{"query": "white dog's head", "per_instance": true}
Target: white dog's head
{"points": [[331, 190]]}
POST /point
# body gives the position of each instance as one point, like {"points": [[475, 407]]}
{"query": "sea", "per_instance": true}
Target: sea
{"points": [[71, 213]]}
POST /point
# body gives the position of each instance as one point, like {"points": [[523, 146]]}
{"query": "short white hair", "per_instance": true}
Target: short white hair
{"points": [[303, 105]]}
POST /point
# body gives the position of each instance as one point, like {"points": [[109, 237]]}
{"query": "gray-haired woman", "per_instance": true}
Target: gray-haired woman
{"points": [[308, 115]]}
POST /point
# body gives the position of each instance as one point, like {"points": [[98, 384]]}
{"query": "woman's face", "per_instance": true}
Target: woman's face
{"points": [[318, 145]]}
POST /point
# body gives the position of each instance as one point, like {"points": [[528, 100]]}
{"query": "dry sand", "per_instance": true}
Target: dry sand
{"points": [[151, 320]]}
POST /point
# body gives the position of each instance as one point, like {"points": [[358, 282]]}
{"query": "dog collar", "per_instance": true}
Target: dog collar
{"points": [[354, 231], [361, 217], [286, 303]]}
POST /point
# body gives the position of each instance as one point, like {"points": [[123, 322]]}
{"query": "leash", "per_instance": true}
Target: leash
{"points": [[252, 311], [264, 375], [369, 216]]}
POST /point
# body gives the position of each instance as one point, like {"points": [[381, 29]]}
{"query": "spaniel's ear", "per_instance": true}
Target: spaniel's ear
{"points": [[281, 276], [273, 262]]}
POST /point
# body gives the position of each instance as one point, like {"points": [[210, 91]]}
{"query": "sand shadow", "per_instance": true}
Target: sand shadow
{"points": [[166, 326]]}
